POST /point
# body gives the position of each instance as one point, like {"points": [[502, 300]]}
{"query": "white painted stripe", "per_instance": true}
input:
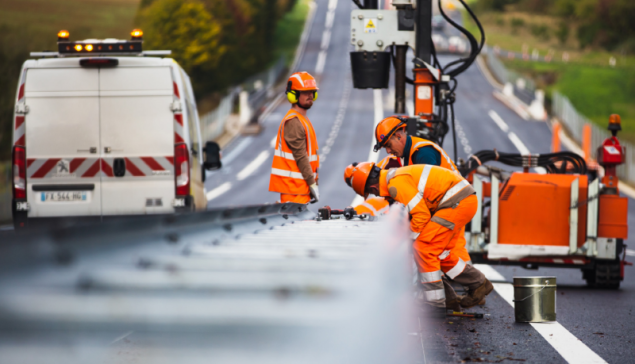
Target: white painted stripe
{"points": [[630, 253], [321, 61], [518, 143], [253, 166], [332, 5], [326, 39], [566, 344], [272, 143], [236, 151], [499, 121], [373, 156], [330, 16], [218, 191]]}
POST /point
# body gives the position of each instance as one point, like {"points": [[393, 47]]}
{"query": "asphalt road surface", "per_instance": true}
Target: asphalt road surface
{"points": [[594, 325]]}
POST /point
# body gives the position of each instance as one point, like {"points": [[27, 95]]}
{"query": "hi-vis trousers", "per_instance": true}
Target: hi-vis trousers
{"points": [[434, 250]]}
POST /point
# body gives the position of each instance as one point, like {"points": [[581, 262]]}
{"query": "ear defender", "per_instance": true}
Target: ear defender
{"points": [[315, 94], [292, 95]]}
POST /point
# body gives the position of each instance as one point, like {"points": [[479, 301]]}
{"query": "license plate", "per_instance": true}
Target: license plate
{"points": [[64, 196]]}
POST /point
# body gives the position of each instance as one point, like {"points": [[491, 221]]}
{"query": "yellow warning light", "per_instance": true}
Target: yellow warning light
{"points": [[89, 47], [136, 33], [78, 47], [615, 119], [63, 34]]}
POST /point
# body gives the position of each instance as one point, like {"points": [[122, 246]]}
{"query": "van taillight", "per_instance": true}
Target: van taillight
{"points": [[182, 169], [19, 172]]}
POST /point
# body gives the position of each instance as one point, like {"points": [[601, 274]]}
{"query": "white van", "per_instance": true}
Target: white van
{"points": [[106, 133]]}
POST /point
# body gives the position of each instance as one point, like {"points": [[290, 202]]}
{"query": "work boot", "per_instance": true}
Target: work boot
{"points": [[453, 304], [474, 297]]}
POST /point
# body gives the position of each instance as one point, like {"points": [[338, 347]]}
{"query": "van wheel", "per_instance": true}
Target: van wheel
{"points": [[604, 275]]}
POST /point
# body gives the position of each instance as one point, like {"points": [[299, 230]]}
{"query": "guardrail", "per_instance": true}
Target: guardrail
{"points": [[564, 110], [524, 88], [262, 284]]}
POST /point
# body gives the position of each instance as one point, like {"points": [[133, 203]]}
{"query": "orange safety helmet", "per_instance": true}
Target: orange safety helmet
{"points": [[386, 128], [300, 81], [348, 173], [360, 174]]}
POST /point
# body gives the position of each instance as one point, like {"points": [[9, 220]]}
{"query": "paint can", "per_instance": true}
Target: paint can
{"points": [[535, 299]]}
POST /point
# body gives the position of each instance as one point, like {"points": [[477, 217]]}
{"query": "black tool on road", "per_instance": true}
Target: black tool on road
{"points": [[326, 212]]}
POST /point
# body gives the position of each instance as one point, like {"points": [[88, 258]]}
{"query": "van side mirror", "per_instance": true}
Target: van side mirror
{"points": [[212, 156]]}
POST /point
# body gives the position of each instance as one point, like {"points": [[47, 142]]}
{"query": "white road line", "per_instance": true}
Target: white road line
{"points": [[379, 116], [339, 120], [122, 337], [236, 151], [630, 253], [410, 106], [326, 39], [330, 16], [566, 344], [522, 148], [272, 143], [518, 143], [218, 191], [499, 121], [332, 5], [460, 133], [253, 165], [321, 61]]}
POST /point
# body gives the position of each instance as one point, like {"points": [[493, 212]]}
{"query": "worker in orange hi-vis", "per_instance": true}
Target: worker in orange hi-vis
{"points": [[440, 203], [373, 206], [390, 133], [294, 171]]}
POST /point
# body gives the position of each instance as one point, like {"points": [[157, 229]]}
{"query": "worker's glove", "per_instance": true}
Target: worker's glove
{"points": [[315, 193]]}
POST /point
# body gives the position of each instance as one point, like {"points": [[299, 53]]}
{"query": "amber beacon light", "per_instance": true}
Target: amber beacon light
{"points": [[63, 35], [136, 34]]}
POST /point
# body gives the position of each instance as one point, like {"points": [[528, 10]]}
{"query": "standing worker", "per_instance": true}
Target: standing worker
{"points": [[294, 171], [440, 203]]}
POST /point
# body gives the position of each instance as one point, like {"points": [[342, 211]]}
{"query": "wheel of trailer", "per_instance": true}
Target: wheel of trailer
{"points": [[604, 275]]}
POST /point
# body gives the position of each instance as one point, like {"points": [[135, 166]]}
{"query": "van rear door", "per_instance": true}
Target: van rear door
{"points": [[137, 140], [62, 141]]}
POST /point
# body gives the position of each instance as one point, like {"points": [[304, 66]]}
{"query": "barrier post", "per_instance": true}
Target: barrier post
{"points": [[586, 141], [555, 140]]}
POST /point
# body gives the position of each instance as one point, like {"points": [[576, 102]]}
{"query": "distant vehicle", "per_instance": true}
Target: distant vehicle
{"points": [[101, 130], [438, 23], [457, 45], [440, 43]]}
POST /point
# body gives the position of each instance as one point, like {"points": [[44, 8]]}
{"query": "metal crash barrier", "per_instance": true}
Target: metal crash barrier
{"points": [[266, 284]]}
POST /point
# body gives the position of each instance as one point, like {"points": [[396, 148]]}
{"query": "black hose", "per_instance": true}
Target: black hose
{"points": [[454, 131], [359, 5], [473, 47], [558, 163]]}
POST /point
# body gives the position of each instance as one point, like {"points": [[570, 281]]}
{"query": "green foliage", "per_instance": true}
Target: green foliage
{"points": [[540, 31], [562, 33], [232, 39], [516, 24]]}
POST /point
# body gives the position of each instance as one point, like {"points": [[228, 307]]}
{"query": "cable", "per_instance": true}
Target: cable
{"points": [[557, 163], [409, 81], [359, 5], [473, 46], [453, 131]]}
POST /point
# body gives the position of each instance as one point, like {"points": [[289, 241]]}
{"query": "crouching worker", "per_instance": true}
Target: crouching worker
{"points": [[440, 204], [373, 206]]}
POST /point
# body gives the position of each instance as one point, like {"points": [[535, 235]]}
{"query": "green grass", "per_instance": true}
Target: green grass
{"points": [[289, 30]]}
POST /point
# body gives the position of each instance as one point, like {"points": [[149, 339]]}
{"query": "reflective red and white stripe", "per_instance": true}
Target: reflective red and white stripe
{"points": [[178, 119], [566, 261], [19, 127], [91, 167]]}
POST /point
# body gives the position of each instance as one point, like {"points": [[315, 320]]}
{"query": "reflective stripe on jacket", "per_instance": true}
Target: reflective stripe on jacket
{"points": [[424, 189], [285, 174], [374, 206], [418, 143]]}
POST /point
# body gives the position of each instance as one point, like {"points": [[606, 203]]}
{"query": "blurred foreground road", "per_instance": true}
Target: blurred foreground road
{"points": [[343, 119]]}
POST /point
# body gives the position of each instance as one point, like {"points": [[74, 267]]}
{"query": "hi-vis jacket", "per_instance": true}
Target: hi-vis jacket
{"points": [[424, 189], [285, 174], [418, 143], [373, 206]]}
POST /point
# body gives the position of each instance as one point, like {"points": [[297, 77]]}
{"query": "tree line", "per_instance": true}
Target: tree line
{"points": [[217, 42]]}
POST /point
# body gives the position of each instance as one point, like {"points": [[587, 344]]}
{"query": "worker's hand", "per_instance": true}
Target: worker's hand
{"points": [[315, 193]]}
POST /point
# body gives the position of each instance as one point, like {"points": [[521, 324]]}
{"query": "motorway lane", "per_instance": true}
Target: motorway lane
{"points": [[581, 310]]}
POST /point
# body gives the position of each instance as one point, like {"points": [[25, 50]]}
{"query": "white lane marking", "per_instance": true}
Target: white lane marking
{"points": [[339, 120], [272, 143], [522, 148], [326, 39], [321, 61], [499, 121], [236, 151], [373, 156], [566, 344], [218, 191], [630, 253], [460, 133], [253, 165], [332, 5], [518, 143], [330, 16]]}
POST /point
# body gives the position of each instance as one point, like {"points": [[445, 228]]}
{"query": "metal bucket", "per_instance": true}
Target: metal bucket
{"points": [[535, 299], [370, 69]]}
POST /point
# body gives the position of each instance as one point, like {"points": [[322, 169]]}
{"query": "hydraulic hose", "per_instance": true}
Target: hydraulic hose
{"points": [[557, 163]]}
